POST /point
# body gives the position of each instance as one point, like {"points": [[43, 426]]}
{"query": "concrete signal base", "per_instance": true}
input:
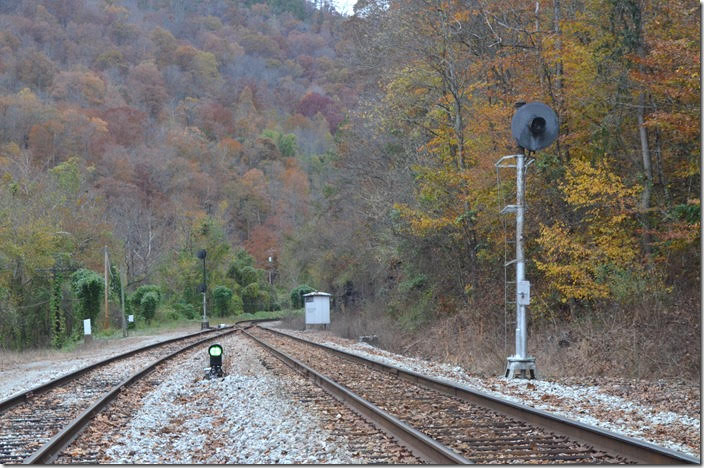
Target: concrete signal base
{"points": [[204, 325], [521, 368]]}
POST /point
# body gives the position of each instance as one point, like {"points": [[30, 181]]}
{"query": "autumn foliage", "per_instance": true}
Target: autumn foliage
{"points": [[358, 154], [613, 206], [157, 130]]}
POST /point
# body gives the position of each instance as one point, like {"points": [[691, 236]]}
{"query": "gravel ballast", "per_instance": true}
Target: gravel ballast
{"points": [[247, 417], [18, 375], [659, 412], [242, 418]]}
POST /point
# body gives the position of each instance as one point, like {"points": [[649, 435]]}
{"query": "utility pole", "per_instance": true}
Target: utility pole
{"points": [[107, 285], [122, 303], [270, 267], [203, 288]]}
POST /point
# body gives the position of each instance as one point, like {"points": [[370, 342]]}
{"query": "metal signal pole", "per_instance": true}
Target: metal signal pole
{"points": [[270, 267], [204, 289], [520, 261], [122, 303], [519, 365]]}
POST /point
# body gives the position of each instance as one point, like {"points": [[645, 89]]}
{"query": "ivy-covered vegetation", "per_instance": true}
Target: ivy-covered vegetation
{"points": [[297, 295], [88, 287]]}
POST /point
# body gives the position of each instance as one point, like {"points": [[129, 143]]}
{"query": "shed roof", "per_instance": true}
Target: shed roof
{"points": [[317, 293]]}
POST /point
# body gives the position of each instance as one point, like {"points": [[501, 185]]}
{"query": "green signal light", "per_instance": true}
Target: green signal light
{"points": [[215, 370], [215, 350]]}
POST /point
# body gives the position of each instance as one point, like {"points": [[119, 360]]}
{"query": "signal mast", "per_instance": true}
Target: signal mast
{"points": [[534, 126]]}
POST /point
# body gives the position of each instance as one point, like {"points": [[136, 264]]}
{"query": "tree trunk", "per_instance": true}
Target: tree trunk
{"points": [[648, 182], [645, 153], [459, 133], [662, 180], [558, 46], [558, 69]]}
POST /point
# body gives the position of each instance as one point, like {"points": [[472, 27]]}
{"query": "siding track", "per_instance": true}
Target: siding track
{"points": [[37, 423]]}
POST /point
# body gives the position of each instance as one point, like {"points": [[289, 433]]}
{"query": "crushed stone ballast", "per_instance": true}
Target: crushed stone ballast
{"points": [[610, 447], [36, 422], [261, 411]]}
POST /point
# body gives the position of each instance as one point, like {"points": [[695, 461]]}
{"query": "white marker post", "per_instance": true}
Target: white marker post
{"points": [[87, 337]]}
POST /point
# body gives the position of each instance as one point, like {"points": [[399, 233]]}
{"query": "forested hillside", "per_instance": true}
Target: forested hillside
{"points": [[358, 153], [158, 128]]}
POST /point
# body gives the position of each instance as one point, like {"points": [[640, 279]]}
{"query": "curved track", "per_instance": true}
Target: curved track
{"points": [[480, 428], [33, 419]]}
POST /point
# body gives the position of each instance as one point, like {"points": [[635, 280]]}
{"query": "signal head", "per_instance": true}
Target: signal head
{"points": [[215, 350], [215, 354], [534, 126]]}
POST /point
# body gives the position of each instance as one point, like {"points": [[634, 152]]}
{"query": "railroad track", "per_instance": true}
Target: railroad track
{"points": [[35, 424], [473, 426], [102, 441], [363, 439]]}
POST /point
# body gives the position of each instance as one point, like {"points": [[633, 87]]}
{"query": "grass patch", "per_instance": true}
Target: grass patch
{"points": [[108, 333], [294, 319], [277, 314], [158, 327]]}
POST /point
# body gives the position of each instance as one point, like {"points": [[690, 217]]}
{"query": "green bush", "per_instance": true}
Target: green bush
{"points": [[287, 145], [185, 310], [149, 302], [297, 295], [222, 300], [56, 313], [242, 260], [172, 314], [142, 290], [284, 301], [250, 298], [264, 300], [416, 282], [146, 308], [237, 304], [417, 314], [88, 286], [247, 275]]}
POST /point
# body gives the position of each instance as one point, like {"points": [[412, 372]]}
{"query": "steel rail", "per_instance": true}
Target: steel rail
{"points": [[420, 444], [640, 451], [50, 450], [19, 398], [254, 322]]}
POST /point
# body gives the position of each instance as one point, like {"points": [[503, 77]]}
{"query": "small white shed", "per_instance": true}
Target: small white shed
{"points": [[317, 308]]}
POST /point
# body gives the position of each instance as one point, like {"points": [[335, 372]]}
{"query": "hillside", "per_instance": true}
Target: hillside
{"points": [[356, 155], [157, 129]]}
